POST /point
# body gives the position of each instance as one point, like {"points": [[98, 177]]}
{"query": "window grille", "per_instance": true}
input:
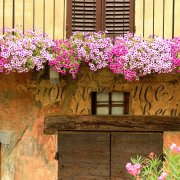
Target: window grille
{"points": [[111, 103]]}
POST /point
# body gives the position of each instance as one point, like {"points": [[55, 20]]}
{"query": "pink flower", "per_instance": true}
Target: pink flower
{"points": [[173, 146], [178, 149], [163, 176], [133, 169]]}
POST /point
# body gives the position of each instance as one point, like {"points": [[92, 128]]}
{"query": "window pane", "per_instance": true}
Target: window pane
{"points": [[102, 96], [117, 110], [102, 110], [117, 96]]}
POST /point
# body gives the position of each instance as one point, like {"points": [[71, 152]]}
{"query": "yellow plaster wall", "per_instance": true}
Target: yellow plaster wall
{"points": [[60, 13], [31, 153], [39, 7], [158, 18]]}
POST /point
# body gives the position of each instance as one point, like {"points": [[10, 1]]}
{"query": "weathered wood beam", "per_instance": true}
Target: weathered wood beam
{"points": [[110, 123]]}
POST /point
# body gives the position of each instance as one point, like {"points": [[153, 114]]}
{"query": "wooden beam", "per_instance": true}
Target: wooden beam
{"points": [[111, 123]]}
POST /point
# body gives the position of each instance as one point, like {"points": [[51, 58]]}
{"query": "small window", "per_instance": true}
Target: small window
{"points": [[110, 103]]}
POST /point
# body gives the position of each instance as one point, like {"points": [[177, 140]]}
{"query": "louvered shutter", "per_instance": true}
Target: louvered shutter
{"points": [[83, 15], [117, 20], [115, 16]]}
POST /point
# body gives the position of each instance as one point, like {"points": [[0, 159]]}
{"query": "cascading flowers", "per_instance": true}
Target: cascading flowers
{"points": [[117, 56], [129, 55], [23, 52], [145, 57], [175, 51], [93, 48], [66, 59]]}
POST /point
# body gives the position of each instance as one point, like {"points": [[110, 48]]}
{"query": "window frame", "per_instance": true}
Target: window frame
{"points": [[100, 16], [125, 104]]}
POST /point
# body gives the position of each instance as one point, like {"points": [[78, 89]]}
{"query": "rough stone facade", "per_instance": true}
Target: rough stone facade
{"points": [[26, 98]]}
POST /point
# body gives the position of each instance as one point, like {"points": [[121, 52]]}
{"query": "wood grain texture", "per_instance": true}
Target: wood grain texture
{"points": [[84, 156], [127, 145], [111, 123]]}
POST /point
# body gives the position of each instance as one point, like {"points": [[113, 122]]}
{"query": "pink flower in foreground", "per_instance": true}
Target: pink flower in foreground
{"points": [[173, 146], [133, 169], [178, 149], [163, 176]]}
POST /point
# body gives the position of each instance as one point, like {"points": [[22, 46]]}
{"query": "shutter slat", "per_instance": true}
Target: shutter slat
{"points": [[117, 16], [83, 15]]}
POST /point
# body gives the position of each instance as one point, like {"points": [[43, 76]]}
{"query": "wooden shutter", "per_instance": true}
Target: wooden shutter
{"points": [[115, 16], [84, 156], [119, 14], [126, 145], [81, 16]]}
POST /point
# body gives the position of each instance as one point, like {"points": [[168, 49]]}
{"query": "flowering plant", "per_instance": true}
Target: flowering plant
{"points": [[153, 168], [146, 57], [117, 56], [175, 51], [93, 48], [23, 52], [130, 55], [66, 59], [2, 64]]}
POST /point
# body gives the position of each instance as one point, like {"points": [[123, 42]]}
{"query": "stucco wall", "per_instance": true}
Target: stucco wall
{"points": [[43, 15], [60, 16], [26, 98], [158, 18], [28, 154]]}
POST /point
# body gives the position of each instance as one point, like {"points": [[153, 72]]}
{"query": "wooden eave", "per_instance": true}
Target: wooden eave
{"points": [[55, 123]]}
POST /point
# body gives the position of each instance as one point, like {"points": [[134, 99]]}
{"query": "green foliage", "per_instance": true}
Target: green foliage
{"points": [[172, 164], [154, 168]]}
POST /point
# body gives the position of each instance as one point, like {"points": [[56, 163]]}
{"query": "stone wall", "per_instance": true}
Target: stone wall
{"points": [[25, 99]]}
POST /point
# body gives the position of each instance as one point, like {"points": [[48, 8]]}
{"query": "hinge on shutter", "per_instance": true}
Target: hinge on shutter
{"points": [[56, 157]]}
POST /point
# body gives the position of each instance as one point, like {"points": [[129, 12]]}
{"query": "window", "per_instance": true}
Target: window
{"points": [[111, 103], [115, 16]]}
